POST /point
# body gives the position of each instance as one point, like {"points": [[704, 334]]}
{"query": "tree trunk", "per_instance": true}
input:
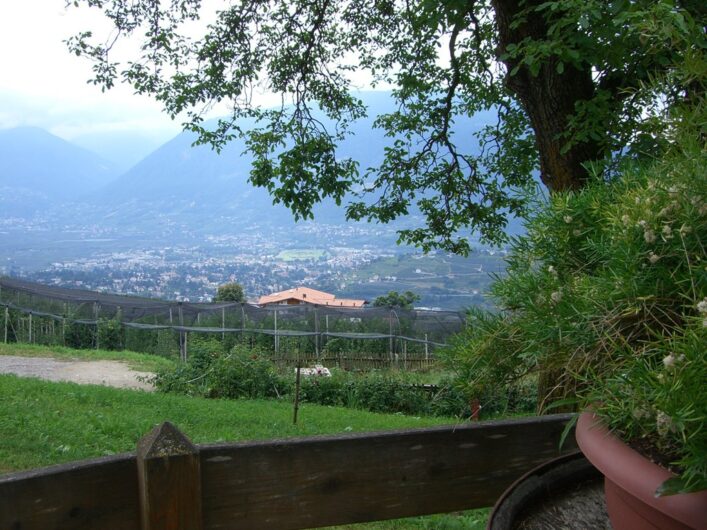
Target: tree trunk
{"points": [[549, 98]]}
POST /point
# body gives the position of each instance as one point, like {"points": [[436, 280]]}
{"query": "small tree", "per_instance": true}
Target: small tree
{"points": [[230, 292], [395, 299]]}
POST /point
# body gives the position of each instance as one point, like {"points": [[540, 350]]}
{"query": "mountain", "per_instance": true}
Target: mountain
{"points": [[123, 148], [180, 182], [38, 169]]}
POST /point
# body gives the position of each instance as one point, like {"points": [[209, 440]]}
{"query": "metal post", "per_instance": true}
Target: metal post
{"points": [[427, 349], [326, 323], [30, 327], [316, 333], [390, 333], [277, 339], [7, 317], [223, 324], [95, 317], [297, 389], [182, 338], [243, 323]]}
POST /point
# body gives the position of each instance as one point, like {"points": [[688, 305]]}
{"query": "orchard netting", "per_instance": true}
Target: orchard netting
{"points": [[37, 313]]}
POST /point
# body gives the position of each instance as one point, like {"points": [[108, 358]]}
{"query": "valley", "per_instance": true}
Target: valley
{"points": [[184, 219]]}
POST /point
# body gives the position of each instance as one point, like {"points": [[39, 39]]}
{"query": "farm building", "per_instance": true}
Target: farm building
{"points": [[305, 295]]}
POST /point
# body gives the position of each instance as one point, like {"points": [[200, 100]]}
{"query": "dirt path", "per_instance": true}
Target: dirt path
{"points": [[109, 373]]}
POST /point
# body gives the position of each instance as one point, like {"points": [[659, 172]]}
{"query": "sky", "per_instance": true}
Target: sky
{"points": [[43, 85]]}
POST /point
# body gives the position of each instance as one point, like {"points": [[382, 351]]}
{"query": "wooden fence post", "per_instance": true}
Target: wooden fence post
{"points": [[169, 480]]}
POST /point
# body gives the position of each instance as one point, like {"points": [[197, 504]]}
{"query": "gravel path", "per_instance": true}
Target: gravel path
{"points": [[109, 373]]}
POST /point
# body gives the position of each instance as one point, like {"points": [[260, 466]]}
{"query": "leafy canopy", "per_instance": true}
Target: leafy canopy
{"points": [[230, 292], [445, 59], [395, 299]]}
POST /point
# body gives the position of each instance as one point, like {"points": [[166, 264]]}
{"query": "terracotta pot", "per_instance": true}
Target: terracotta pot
{"points": [[630, 482]]}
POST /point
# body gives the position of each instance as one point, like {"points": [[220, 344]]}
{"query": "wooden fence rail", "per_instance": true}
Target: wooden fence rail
{"points": [[278, 485]]}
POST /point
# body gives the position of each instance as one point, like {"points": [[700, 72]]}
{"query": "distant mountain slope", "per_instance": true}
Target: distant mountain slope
{"points": [[178, 180], [38, 168], [123, 148]]}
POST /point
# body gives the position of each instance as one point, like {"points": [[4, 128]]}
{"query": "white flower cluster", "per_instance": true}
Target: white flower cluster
{"points": [[702, 308], [664, 423], [669, 361]]}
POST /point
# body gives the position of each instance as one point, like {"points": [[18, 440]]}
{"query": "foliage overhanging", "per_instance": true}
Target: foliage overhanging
{"points": [[572, 81]]}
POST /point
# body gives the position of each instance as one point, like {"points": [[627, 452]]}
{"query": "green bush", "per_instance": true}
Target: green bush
{"points": [[248, 373], [111, 335], [245, 374], [80, 336], [605, 302], [242, 373]]}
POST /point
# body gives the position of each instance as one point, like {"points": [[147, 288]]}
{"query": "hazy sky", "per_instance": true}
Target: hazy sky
{"points": [[43, 85]]}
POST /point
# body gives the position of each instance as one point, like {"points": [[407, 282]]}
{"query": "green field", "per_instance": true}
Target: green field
{"points": [[44, 423], [301, 254]]}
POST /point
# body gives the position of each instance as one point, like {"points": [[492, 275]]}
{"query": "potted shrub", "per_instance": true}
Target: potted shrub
{"points": [[605, 303]]}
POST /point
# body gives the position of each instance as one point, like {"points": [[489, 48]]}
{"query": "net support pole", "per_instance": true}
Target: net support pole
{"points": [[30, 327], [182, 335], [427, 349], [405, 354], [277, 338], [95, 317], [7, 318], [242, 323], [390, 335], [326, 323], [316, 333], [223, 324]]}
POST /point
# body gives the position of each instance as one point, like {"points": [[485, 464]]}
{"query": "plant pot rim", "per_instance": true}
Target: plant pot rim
{"points": [[549, 478], [614, 458]]}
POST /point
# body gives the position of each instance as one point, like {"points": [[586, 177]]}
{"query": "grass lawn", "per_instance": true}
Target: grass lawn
{"points": [[142, 362], [44, 423]]}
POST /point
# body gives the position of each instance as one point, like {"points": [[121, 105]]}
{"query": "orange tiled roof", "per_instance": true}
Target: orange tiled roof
{"points": [[308, 296]]}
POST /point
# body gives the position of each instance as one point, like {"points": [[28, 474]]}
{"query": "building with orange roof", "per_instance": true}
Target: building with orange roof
{"points": [[305, 295]]}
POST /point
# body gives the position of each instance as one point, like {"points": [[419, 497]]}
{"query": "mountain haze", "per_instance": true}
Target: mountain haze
{"points": [[182, 181], [38, 169]]}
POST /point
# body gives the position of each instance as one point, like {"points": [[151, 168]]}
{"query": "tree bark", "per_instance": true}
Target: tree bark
{"points": [[549, 98]]}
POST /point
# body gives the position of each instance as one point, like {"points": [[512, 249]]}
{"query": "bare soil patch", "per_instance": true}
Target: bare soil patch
{"points": [[108, 373]]}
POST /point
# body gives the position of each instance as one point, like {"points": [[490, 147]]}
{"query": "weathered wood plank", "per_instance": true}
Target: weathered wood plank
{"points": [[100, 493], [297, 483], [319, 482], [169, 480]]}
